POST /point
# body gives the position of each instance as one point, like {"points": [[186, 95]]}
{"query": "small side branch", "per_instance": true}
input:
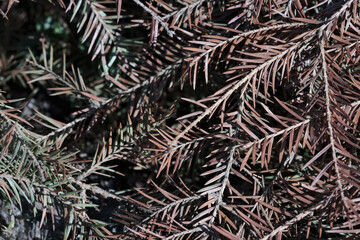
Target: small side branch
{"points": [[237, 85], [291, 222], [156, 17], [173, 204], [330, 128], [31, 154], [193, 230], [225, 181]]}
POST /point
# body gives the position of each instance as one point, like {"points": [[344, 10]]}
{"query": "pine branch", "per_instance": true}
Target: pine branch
{"points": [[243, 35], [225, 181], [237, 85], [256, 70], [77, 89], [266, 191], [122, 94], [329, 123], [267, 138], [270, 136], [190, 231], [169, 206], [18, 134], [179, 12], [297, 218], [156, 17]]}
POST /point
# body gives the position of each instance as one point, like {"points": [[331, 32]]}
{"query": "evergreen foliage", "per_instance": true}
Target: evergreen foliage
{"points": [[182, 119]]}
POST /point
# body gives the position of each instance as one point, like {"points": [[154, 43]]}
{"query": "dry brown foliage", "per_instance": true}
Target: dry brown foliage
{"points": [[238, 119]]}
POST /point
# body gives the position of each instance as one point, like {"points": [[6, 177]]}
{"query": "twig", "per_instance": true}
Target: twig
{"points": [[243, 35], [31, 154], [193, 230], [256, 70], [156, 17], [329, 118], [267, 189], [240, 83], [219, 200], [250, 144], [99, 191], [182, 10], [168, 206], [71, 124], [294, 220]]}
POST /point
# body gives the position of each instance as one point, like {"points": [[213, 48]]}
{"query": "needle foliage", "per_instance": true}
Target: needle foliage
{"points": [[182, 119]]}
